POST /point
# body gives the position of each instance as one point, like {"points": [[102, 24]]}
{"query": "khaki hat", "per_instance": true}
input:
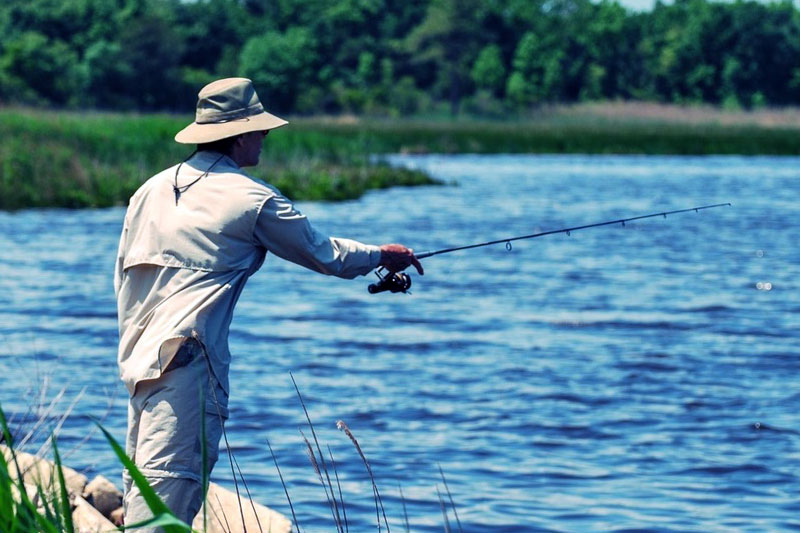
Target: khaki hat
{"points": [[226, 108]]}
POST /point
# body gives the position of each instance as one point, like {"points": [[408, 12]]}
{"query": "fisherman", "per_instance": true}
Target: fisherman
{"points": [[193, 234]]}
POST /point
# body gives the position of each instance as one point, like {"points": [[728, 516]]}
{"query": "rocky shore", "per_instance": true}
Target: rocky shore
{"points": [[97, 504]]}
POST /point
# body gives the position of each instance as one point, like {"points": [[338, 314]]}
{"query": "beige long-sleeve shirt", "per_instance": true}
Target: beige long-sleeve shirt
{"points": [[182, 265]]}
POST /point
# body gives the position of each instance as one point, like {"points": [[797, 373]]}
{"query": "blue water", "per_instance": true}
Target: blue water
{"points": [[619, 379]]}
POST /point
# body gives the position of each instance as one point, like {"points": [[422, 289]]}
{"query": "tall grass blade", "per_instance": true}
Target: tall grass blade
{"points": [[23, 513], [314, 435], [162, 516], [444, 510], [224, 516], [285, 490], [10, 442], [204, 458], [249, 496], [63, 418], [315, 465], [42, 417], [378, 500], [7, 514], [66, 508], [224, 432], [339, 485], [23, 516], [51, 515], [450, 496], [405, 511]]}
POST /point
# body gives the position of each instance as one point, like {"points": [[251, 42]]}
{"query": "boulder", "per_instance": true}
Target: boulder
{"points": [[41, 472], [103, 496], [118, 516], [224, 515], [87, 519]]}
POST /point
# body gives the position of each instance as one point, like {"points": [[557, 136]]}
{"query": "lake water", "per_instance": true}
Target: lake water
{"points": [[619, 379]]}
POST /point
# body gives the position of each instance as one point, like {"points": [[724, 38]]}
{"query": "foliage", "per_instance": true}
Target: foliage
{"points": [[489, 72], [279, 63], [51, 509], [50, 159], [393, 58]]}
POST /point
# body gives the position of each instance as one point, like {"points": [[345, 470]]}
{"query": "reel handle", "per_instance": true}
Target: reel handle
{"points": [[391, 281]]}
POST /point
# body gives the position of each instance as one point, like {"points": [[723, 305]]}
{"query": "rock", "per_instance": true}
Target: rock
{"points": [[117, 516], [223, 512], [87, 519], [41, 472], [103, 495]]}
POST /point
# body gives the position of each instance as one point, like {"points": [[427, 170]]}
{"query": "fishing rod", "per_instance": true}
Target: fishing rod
{"points": [[401, 282]]}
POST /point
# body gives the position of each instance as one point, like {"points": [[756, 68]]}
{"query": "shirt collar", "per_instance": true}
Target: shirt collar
{"points": [[203, 160]]}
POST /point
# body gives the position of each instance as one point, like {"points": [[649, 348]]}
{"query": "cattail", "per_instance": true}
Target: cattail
{"points": [[378, 501], [311, 456], [330, 497]]}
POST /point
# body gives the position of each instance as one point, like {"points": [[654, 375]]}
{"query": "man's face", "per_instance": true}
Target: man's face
{"points": [[250, 148]]}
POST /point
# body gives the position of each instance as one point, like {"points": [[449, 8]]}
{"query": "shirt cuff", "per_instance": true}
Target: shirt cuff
{"points": [[374, 256]]}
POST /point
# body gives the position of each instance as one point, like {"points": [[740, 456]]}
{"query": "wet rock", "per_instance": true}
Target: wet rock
{"points": [[41, 472], [103, 495], [224, 516], [87, 519], [117, 516]]}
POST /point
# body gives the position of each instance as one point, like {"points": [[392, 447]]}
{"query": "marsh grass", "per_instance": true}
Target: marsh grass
{"points": [[334, 496], [94, 159], [73, 160], [51, 510]]}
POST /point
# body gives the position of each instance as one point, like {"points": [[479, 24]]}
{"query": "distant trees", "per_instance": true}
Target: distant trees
{"points": [[386, 57]]}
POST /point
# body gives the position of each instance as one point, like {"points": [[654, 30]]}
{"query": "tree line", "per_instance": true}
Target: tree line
{"points": [[397, 58]]}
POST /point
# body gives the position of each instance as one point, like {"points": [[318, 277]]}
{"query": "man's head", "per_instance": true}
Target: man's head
{"points": [[244, 148], [230, 119]]}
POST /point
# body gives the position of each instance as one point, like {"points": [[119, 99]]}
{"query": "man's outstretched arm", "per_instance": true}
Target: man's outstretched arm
{"points": [[286, 232]]}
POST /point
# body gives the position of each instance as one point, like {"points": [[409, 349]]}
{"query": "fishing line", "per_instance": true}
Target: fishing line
{"points": [[401, 282]]}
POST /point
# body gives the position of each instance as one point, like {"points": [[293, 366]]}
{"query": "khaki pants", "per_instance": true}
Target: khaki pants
{"points": [[164, 435]]}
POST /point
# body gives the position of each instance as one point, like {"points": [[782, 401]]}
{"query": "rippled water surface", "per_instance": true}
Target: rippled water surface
{"points": [[639, 378]]}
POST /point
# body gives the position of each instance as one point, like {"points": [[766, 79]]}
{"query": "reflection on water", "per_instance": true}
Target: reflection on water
{"points": [[619, 378]]}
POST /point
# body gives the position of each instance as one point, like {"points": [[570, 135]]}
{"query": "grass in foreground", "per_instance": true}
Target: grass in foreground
{"points": [[50, 511]]}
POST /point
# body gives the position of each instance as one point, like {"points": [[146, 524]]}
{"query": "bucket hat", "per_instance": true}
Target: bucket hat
{"points": [[225, 108]]}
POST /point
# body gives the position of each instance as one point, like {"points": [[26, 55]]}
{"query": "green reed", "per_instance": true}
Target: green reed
{"points": [[52, 159], [51, 510], [95, 159]]}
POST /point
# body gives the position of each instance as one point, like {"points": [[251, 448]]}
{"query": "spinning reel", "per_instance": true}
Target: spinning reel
{"points": [[390, 281]]}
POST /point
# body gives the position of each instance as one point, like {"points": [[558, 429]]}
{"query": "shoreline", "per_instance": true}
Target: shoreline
{"points": [[75, 159]]}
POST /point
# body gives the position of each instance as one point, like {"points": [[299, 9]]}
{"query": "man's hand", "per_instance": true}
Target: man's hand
{"points": [[396, 258]]}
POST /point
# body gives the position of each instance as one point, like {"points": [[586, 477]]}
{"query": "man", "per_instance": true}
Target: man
{"points": [[192, 236]]}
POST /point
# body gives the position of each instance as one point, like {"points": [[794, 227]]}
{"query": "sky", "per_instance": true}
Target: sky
{"points": [[638, 5], [647, 5]]}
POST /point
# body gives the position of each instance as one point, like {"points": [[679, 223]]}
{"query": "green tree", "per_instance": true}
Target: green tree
{"points": [[41, 69], [150, 51], [488, 71], [107, 76], [447, 40], [280, 64], [537, 70]]}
